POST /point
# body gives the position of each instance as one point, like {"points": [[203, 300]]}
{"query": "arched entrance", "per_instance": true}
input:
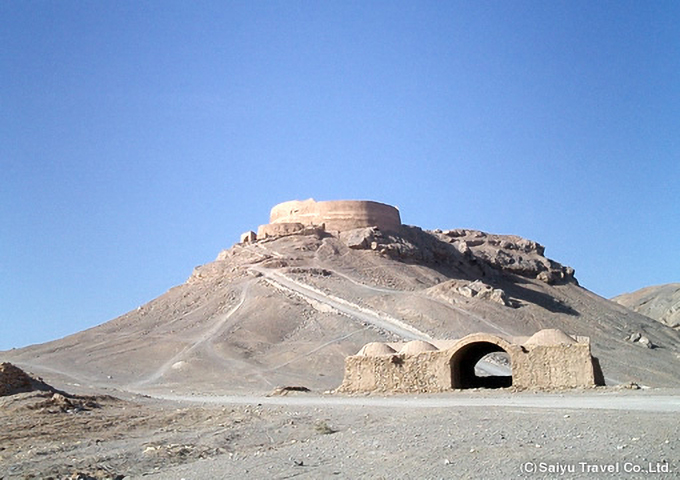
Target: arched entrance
{"points": [[468, 352]]}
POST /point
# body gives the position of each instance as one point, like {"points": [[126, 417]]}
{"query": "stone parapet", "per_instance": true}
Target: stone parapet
{"points": [[279, 229], [285, 229]]}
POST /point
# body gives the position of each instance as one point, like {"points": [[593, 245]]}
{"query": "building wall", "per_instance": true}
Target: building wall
{"points": [[423, 372], [285, 229], [340, 215], [533, 367], [553, 366], [279, 229], [248, 237]]}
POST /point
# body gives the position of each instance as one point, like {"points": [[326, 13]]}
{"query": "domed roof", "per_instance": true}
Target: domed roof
{"points": [[417, 346], [375, 349], [550, 336]]}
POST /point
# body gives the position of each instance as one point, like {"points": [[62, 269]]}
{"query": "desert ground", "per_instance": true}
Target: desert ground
{"points": [[461, 434]]}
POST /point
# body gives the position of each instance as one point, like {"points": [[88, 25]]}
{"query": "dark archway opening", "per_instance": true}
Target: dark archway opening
{"points": [[494, 372]]}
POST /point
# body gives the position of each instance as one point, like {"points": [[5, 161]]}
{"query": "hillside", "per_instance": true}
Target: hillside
{"points": [[660, 302], [286, 310]]}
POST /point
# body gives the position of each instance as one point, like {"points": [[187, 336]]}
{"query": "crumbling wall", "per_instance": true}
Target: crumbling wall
{"points": [[279, 229], [14, 380], [248, 237], [534, 365], [285, 229], [401, 372], [340, 215], [553, 366]]}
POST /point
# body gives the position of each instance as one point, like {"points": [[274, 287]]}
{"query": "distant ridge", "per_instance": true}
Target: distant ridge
{"points": [[660, 302]]}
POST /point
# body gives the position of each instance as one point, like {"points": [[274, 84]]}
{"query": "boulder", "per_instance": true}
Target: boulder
{"points": [[481, 290], [361, 238]]}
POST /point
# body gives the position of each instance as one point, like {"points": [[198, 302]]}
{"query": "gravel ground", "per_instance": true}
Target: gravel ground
{"points": [[571, 435], [468, 442]]}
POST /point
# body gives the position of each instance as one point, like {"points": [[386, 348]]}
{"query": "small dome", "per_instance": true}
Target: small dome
{"points": [[418, 346], [375, 349], [551, 336]]}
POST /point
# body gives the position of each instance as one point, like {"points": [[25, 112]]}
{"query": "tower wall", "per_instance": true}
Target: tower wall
{"points": [[340, 215]]}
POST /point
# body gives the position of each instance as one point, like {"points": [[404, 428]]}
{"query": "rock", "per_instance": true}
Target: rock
{"points": [[508, 253], [481, 290], [361, 238], [458, 232], [497, 295], [634, 337], [462, 247], [545, 277], [637, 337], [466, 291]]}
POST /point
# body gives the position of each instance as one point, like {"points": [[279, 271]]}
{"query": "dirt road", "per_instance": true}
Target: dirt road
{"points": [[380, 320], [612, 400]]}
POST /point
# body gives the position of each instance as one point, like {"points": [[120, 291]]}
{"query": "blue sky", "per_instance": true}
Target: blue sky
{"points": [[138, 139]]}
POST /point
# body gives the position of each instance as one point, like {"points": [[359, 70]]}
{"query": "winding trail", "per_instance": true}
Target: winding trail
{"points": [[314, 350], [392, 291], [380, 320], [363, 314], [205, 337], [388, 291]]}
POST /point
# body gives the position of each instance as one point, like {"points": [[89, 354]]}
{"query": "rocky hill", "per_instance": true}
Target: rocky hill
{"points": [[660, 302], [287, 310]]}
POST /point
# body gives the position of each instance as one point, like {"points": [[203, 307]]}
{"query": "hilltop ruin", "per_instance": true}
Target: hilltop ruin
{"points": [[299, 217]]}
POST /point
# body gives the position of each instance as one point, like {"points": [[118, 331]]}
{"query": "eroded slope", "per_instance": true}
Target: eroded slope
{"points": [[287, 310], [660, 302]]}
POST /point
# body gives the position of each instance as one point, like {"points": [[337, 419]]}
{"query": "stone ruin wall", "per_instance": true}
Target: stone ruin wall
{"points": [[554, 366], [14, 380], [542, 367], [309, 216], [278, 230], [285, 229], [425, 372], [337, 216]]}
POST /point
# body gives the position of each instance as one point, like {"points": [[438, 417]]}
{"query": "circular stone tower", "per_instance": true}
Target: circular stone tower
{"points": [[337, 215]]}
